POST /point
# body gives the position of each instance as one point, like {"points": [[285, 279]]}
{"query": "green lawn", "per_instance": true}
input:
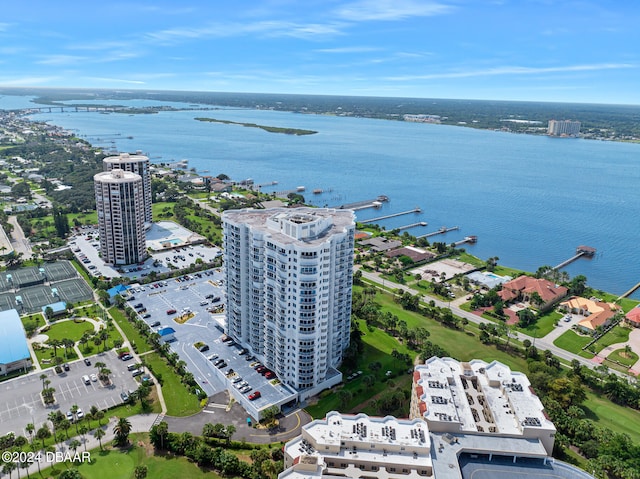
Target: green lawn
{"points": [[83, 218], [69, 329], [627, 359], [618, 418], [615, 335], [180, 402], [114, 463], [543, 326], [572, 342], [378, 346], [132, 333]]}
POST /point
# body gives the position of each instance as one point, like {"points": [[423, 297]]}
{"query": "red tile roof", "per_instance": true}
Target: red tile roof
{"points": [[634, 315], [547, 290]]}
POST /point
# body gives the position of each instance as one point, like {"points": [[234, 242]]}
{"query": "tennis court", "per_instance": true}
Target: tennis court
{"points": [[73, 290], [59, 270]]}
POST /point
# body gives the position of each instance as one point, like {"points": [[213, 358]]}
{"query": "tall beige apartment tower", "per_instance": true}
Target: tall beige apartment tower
{"points": [[138, 164], [289, 274], [121, 219]]}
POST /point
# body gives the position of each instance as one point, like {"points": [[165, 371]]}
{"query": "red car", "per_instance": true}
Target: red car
{"points": [[254, 395], [171, 311], [269, 375]]}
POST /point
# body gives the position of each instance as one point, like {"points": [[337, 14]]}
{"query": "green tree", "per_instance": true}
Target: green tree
{"points": [[122, 429], [140, 472], [99, 434]]}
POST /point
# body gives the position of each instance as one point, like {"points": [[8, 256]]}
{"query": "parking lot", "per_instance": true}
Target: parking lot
{"points": [[86, 247], [22, 403], [194, 295]]}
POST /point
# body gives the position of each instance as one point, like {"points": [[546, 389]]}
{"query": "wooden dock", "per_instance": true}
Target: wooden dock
{"points": [[360, 205], [412, 225], [581, 251], [467, 239], [392, 215], [441, 231], [630, 292]]}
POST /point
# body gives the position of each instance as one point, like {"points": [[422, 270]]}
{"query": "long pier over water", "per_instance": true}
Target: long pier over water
{"points": [[392, 215], [580, 252], [441, 231]]}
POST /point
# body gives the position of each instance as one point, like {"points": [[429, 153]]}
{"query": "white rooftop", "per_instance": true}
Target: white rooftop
{"points": [[479, 397]]}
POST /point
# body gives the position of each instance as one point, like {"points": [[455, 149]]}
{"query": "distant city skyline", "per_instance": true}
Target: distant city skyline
{"points": [[530, 50]]}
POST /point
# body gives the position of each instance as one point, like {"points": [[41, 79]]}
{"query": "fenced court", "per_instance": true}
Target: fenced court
{"points": [[63, 284], [60, 270]]}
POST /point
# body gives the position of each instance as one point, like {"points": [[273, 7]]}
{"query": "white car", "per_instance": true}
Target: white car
{"points": [[93, 377]]}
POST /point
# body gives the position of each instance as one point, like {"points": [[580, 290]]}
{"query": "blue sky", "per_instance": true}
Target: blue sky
{"points": [[575, 51]]}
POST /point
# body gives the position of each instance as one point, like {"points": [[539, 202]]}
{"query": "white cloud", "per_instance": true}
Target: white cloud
{"points": [[115, 80], [26, 81], [515, 70], [390, 10], [265, 28], [59, 60], [348, 50]]}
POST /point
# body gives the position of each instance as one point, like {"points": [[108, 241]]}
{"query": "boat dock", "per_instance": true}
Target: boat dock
{"points": [[271, 183], [412, 225], [630, 292], [392, 215], [467, 239], [580, 252], [361, 205], [441, 231]]}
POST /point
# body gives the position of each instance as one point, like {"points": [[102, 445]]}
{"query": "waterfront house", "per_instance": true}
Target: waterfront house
{"points": [[521, 289], [596, 313], [632, 318]]}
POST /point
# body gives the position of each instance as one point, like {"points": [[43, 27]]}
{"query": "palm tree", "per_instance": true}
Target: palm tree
{"points": [[74, 444], [43, 377], [229, 431], [99, 434], [83, 431], [67, 343], [43, 433], [74, 411], [53, 418], [30, 430], [122, 430]]}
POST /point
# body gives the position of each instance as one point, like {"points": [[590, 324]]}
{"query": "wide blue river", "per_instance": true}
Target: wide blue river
{"points": [[530, 199]]}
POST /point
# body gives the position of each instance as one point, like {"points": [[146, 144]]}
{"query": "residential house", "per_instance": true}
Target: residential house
{"points": [[523, 287], [597, 313], [633, 317]]}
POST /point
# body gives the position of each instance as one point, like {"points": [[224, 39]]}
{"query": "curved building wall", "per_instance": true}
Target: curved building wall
{"points": [[119, 197], [138, 164]]}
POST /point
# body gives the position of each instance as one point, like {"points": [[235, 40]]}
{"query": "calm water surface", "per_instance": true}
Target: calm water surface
{"points": [[530, 200]]}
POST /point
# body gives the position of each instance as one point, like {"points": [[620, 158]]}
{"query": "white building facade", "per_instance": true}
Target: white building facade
{"points": [[138, 164], [359, 446], [563, 128], [289, 274], [119, 203]]}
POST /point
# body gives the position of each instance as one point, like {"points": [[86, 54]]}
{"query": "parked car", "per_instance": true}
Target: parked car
{"points": [[171, 311], [155, 324], [203, 348], [66, 366], [124, 396], [87, 361], [93, 378], [255, 395]]}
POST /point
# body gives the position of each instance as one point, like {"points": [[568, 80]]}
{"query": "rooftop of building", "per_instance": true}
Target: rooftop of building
{"points": [[126, 158], [13, 342], [116, 176], [310, 226], [387, 440], [479, 396]]}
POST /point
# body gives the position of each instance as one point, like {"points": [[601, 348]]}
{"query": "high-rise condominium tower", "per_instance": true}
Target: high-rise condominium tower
{"points": [[138, 164], [119, 200], [289, 274]]}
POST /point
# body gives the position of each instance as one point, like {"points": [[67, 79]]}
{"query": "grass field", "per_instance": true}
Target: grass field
{"points": [[69, 329], [618, 418], [114, 463], [83, 218], [132, 333], [627, 359], [179, 400], [572, 342], [378, 346]]}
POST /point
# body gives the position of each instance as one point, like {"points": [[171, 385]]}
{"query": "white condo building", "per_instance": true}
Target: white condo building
{"points": [[563, 128], [140, 165], [479, 398], [119, 200], [289, 275], [344, 445]]}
